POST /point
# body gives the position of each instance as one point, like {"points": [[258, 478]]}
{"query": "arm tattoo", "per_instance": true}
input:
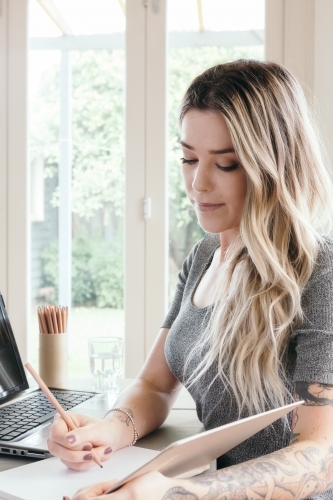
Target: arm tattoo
{"points": [[179, 493], [296, 473], [124, 418], [314, 394], [294, 420]]}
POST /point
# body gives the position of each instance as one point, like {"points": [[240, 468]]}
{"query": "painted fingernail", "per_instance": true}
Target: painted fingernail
{"points": [[87, 457], [87, 447], [71, 439], [107, 451]]}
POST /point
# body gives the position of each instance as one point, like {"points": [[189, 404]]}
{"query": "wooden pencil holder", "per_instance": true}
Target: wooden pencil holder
{"points": [[53, 359]]}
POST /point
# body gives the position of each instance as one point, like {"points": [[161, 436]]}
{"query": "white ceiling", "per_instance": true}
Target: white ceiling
{"points": [[92, 17]]}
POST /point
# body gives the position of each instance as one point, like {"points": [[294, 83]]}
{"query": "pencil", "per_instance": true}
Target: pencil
{"points": [[59, 319], [41, 315], [54, 321], [49, 319], [57, 405]]}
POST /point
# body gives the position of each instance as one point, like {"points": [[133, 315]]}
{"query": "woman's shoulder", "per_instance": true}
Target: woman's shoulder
{"points": [[204, 247], [325, 253], [201, 252], [323, 268]]}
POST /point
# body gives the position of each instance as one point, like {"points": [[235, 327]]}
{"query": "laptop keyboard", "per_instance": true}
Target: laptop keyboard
{"points": [[19, 418]]}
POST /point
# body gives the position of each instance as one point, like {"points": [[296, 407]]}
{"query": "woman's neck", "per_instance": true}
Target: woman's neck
{"points": [[226, 239]]}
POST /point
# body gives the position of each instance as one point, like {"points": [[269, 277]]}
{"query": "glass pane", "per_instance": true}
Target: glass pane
{"points": [[77, 143], [199, 39]]}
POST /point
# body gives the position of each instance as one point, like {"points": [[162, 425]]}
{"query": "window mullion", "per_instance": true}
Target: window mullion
{"points": [[135, 187], [156, 178]]}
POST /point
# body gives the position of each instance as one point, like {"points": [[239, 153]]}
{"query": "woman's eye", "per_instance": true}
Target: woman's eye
{"points": [[228, 169], [190, 162], [220, 167]]}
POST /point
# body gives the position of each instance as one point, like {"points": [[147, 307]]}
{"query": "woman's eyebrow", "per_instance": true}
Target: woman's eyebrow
{"points": [[212, 151]]}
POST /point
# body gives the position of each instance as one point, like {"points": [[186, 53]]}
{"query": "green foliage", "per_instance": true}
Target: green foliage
{"points": [[106, 271], [82, 283], [49, 264], [98, 132], [44, 115], [97, 271]]}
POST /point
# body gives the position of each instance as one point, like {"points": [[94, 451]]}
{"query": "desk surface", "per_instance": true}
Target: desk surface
{"points": [[181, 422]]}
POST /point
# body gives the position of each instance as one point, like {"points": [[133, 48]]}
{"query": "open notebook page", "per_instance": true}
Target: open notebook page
{"points": [[51, 479]]}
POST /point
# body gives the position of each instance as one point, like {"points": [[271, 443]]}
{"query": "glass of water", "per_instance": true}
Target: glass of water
{"points": [[106, 364]]}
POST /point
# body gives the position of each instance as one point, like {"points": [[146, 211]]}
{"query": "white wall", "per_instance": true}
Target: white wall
{"points": [[3, 149], [323, 70], [14, 185], [299, 35]]}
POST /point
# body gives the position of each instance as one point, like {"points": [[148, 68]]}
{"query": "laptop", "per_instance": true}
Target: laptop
{"points": [[25, 413]]}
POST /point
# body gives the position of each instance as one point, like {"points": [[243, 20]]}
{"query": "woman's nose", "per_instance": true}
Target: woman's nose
{"points": [[202, 179]]}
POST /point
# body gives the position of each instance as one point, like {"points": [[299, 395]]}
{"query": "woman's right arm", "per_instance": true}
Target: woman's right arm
{"points": [[149, 400]]}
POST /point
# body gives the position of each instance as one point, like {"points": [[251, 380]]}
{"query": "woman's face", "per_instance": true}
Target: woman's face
{"points": [[214, 180]]}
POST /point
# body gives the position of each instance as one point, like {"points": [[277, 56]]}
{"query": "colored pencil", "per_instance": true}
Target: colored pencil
{"points": [[64, 415], [52, 319]]}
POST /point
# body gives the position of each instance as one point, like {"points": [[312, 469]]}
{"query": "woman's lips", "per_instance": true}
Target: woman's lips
{"points": [[208, 207]]}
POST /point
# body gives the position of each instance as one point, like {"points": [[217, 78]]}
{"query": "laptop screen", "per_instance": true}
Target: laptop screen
{"points": [[12, 376]]}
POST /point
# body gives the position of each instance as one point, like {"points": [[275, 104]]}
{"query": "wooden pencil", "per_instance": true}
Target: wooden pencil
{"points": [[42, 319], [40, 324], [59, 318], [54, 320], [49, 319], [57, 405]]}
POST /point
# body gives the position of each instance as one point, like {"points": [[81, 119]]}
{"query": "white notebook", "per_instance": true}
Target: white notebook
{"points": [[50, 479]]}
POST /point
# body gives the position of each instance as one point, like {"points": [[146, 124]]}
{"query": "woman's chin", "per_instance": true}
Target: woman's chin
{"points": [[215, 227], [212, 228]]}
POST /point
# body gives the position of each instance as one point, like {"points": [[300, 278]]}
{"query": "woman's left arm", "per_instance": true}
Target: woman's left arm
{"points": [[299, 471]]}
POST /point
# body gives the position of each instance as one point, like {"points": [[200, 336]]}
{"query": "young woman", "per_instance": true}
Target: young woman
{"points": [[251, 325]]}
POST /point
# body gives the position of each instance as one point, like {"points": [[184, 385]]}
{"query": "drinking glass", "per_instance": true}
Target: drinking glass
{"points": [[106, 364]]}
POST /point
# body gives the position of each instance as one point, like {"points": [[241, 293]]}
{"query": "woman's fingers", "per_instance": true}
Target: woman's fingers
{"points": [[150, 486], [75, 447], [88, 430], [96, 490], [80, 459]]}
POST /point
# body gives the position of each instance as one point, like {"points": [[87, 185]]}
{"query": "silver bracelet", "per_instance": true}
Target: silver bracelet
{"points": [[136, 434]]}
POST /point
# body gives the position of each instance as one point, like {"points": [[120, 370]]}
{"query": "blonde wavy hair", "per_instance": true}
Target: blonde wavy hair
{"points": [[287, 213]]}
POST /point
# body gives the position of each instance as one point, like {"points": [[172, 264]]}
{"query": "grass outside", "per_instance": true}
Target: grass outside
{"points": [[84, 323]]}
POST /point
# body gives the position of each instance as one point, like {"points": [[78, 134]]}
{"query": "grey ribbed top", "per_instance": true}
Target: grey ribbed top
{"points": [[310, 350]]}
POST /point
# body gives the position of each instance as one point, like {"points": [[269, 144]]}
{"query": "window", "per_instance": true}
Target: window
{"points": [[77, 111], [77, 69]]}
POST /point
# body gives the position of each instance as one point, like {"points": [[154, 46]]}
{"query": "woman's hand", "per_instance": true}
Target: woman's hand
{"points": [[150, 486], [74, 447]]}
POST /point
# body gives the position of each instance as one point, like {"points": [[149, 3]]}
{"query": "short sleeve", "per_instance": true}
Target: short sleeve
{"points": [[182, 279], [315, 336]]}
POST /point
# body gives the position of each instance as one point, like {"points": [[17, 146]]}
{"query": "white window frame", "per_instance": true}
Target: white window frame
{"points": [[146, 254], [146, 248]]}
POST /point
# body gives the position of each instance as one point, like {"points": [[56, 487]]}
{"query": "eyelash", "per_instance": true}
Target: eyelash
{"points": [[224, 169]]}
